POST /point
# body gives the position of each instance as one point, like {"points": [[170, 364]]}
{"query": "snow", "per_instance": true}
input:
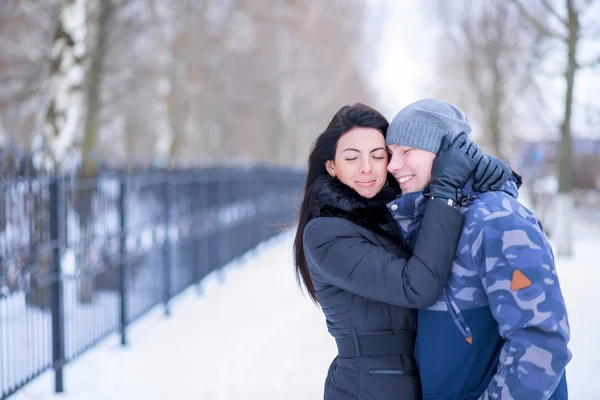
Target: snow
{"points": [[253, 335], [579, 277], [250, 334]]}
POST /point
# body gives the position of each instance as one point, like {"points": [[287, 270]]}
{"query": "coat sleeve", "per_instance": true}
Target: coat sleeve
{"points": [[519, 276], [344, 258]]}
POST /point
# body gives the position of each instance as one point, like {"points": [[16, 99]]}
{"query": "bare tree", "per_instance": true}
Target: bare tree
{"points": [[310, 67], [564, 26], [491, 54], [65, 108], [192, 83], [94, 85], [26, 31]]}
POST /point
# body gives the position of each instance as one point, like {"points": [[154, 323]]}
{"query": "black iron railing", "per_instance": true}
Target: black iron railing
{"points": [[82, 258]]}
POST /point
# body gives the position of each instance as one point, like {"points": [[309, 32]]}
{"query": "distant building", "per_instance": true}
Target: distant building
{"points": [[539, 158]]}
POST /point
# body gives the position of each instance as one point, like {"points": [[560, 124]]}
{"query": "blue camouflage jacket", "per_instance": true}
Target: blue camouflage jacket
{"points": [[500, 329]]}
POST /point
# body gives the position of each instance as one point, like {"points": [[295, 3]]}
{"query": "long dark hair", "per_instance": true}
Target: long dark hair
{"points": [[323, 150]]}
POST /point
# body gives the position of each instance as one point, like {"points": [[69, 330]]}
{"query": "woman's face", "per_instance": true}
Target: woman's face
{"points": [[361, 161]]}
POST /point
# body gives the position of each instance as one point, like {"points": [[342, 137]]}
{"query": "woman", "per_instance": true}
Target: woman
{"points": [[350, 256]]}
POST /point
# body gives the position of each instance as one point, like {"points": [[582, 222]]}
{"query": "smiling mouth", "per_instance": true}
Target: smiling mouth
{"points": [[405, 179]]}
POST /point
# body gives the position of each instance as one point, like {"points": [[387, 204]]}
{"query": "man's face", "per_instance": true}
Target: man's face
{"points": [[411, 167]]}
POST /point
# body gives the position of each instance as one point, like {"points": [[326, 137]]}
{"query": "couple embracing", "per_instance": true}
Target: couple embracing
{"points": [[435, 282]]}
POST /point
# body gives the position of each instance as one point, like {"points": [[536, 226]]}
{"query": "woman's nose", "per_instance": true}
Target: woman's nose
{"points": [[365, 168]]}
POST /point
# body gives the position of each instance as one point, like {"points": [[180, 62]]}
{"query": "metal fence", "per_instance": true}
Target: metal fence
{"points": [[83, 258]]}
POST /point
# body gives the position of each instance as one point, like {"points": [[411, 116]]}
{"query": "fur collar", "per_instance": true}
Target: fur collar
{"points": [[332, 198]]}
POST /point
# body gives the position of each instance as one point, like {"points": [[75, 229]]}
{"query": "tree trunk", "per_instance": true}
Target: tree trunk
{"points": [[94, 83], [564, 201], [177, 112], [85, 196], [494, 110], [65, 107], [286, 95]]}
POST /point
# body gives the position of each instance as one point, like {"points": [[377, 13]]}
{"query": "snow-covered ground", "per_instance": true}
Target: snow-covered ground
{"points": [[580, 280], [257, 337], [254, 336]]}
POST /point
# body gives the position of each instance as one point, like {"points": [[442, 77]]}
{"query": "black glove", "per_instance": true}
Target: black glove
{"points": [[452, 168], [491, 173], [518, 178]]}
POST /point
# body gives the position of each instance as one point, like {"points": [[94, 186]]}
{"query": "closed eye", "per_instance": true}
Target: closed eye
{"points": [[351, 159]]}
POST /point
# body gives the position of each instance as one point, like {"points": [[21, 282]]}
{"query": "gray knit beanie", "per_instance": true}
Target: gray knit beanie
{"points": [[424, 123]]}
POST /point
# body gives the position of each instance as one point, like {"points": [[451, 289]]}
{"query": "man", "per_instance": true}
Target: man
{"points": [[500, 329]]}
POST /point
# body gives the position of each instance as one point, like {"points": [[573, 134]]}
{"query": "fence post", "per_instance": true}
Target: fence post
{"points": [[56, 290], [123, 258], [197, 206], [254, 209], [167, 245], [222, 229]]}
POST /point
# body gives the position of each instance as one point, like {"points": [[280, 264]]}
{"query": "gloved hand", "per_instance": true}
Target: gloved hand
{"points": [[453, 166], [491, 173], [518, 178]]}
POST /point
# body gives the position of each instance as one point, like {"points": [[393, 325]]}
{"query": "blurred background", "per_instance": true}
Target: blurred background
{"points": [[213, 82], [124, 125]]}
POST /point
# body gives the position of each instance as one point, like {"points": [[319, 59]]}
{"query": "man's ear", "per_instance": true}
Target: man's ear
{"points": [[330, 167]]}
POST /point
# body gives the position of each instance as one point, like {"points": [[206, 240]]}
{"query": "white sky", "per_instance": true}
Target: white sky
{"points": [[406, 55], [405, 73]]}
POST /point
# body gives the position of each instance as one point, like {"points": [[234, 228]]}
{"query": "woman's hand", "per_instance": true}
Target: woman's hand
{"points": [[491, 173], [453, 166]]}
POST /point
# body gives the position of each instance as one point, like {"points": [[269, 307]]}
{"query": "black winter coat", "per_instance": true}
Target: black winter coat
{"points": [[368, 284]]}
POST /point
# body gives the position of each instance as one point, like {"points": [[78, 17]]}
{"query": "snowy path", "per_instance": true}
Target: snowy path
{"points": [[580, 283], [257, 337]]}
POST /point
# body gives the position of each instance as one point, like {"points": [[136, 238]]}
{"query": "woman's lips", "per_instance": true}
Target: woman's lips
{"points": [[365, 183]]}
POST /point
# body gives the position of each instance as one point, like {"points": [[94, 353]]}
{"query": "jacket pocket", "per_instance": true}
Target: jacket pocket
{"points": [[403, 372], [389, 383]]}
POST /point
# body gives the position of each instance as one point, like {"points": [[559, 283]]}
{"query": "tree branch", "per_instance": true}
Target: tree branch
{"points": [[553, 12], [585, 6], [537, 24], [16, 50], [40, 14], [591, 64]]}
